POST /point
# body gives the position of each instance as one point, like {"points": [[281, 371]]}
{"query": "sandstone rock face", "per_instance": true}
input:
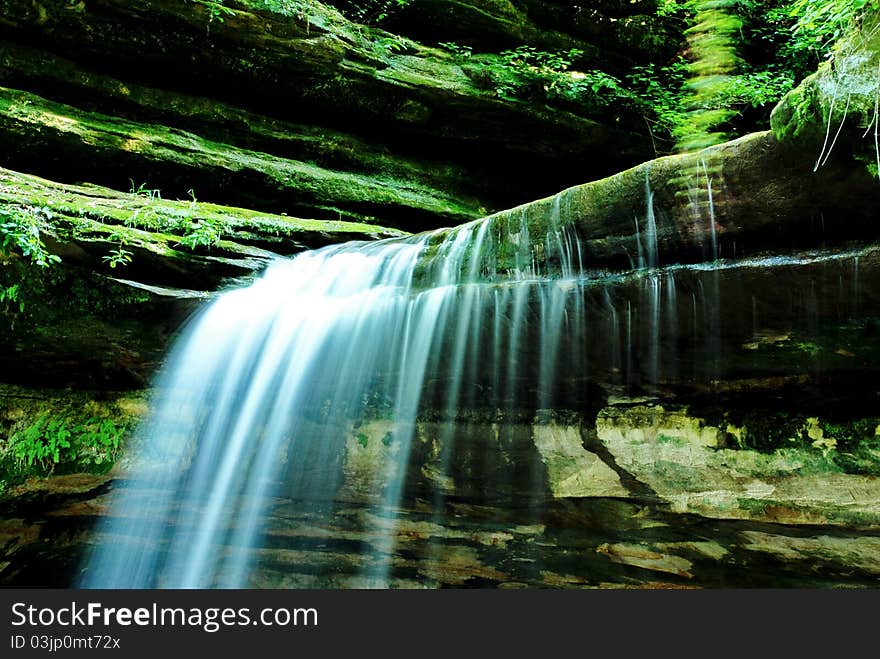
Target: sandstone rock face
{"points": [[798, 515], [689, 464]]}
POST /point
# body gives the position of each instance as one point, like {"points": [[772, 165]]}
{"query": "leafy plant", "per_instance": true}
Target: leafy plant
{"points": [[217, 11], [51, 440], [117, 257], [41, 443], [205, 232], [98, 440], [657, 92], [601, 87], [530, 60], [369, 12], [828, 20], [21, 230], [393, 44], [11, 296], [458, 50], [142, 190]]}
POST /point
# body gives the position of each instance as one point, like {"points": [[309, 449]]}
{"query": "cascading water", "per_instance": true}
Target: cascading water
{"points": [[318, 383], [271, 381]]}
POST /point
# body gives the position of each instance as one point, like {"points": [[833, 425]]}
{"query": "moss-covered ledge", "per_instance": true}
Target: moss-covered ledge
{"points": [[63, 81], [765, 197], [43, 136], [172, 243], [132, 268], [310, 65]]}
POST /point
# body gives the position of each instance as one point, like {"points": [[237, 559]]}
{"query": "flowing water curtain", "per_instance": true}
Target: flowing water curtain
{"points": [[276, 392]]}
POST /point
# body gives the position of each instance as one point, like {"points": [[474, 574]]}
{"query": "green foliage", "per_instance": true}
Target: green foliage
{"points": [[393, 44], [97, 441], [739, 59], [460, 51], [52, 440], [205, 232], [757, 88], [21, 230], [10, 296], [713, 63], [41, 443], [217, 11], [675, 7], [143, 191], [657, 92], [592, 88], [827, 20], [117, 257], [548, 71], [850, 435], [528, 73], [530, 60], [742, 56], [369, 12]]}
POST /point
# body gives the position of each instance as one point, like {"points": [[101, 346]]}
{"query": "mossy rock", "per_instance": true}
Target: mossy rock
{"points": [[132, 267], [43, 136], [839, 98]]}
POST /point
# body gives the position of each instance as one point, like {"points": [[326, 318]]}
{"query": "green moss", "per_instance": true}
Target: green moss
{"points": [[164, 227], [844, 89], [857, 444], [803, 112], [63, 432], [853, 434], [54, 76], [674, 441], [767, 431], [187, 156]]}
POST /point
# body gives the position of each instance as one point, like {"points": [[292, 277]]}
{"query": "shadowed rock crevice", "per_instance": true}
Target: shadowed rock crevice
{"points": [[640, 491]]}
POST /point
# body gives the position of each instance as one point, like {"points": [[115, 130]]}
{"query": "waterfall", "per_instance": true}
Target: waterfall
{"points": [[268, 387], [343, 377]]}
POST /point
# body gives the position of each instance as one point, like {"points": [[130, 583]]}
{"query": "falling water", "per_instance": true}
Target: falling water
{"points": [[711, 215], [271, 382], [331, 362]]}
